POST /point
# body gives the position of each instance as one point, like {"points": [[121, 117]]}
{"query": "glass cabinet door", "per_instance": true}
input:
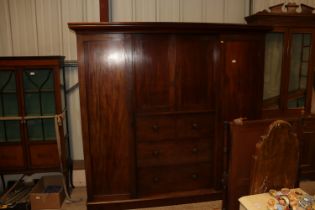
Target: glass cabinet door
{"points": [[273, 70], [299, 65], [9, 129], [39, 99], [287, 68]]}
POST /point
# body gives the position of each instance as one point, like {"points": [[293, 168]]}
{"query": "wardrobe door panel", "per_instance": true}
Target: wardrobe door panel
{"points": [[154, 69], [242, 76], [195, 69], [108, 85]]}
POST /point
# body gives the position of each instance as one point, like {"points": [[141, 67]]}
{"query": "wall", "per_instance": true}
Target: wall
{"points": [[223, 11], [39, 27]]}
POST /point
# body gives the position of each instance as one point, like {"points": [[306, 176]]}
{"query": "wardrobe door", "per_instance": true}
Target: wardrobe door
{"points": [[106, 109], [195, 64], [242, 73], [154, 61]]}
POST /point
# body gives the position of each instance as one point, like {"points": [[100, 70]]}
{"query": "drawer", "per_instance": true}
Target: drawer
{"points": [[171, 179], [195, 126], [44, 156], [155, 128], [173, 152], [11, 157]]}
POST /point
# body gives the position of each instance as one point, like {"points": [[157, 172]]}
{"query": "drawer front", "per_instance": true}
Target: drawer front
{"points": [[171, 179], [11, 157], [44, 156], [173, 152], [195, 126], [155, 128]]}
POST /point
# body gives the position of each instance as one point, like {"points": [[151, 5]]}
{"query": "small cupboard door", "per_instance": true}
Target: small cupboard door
{"points": [[195, 67], [11, 149], [154, 67]]}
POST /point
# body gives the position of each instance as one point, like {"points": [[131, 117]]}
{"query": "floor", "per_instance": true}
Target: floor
{"points": [[79, 198]]}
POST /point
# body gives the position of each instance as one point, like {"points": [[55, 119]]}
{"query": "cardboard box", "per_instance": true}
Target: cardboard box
{"points": [[48, 193]]}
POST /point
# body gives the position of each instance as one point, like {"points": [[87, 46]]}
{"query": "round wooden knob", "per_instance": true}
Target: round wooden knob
{"points": [[155, 128], [194, 176], [156, 153], [195, 125], [194, 150]]}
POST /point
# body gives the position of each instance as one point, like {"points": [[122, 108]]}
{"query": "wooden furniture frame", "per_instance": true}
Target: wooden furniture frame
{"points": [[153, 100]]}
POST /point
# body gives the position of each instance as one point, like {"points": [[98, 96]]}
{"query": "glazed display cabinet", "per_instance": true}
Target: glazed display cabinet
{"points": [[289, 86], [32, 114]]}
